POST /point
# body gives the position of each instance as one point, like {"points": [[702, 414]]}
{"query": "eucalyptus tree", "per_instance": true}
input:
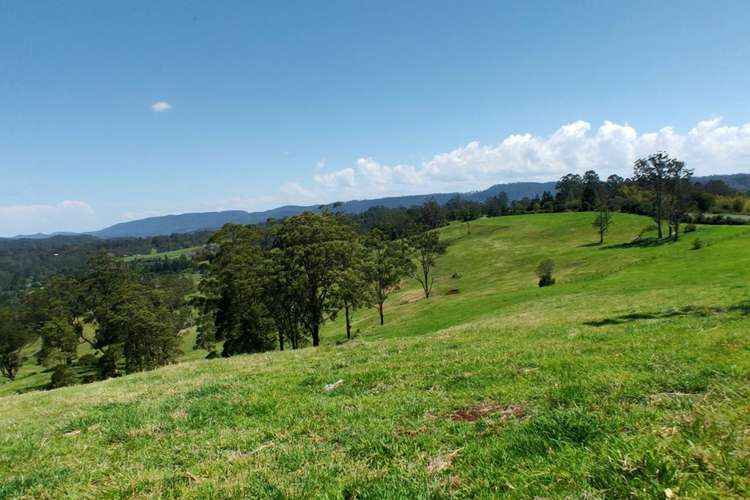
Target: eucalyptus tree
{"points": [[427, 248], [231, 294], [387, 263], [602, 221], [678, 195], [652, 173], [317, 248], [14, 337]]}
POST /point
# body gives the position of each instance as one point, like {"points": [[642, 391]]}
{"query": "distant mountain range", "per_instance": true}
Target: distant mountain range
{"points": [[186, 223], [190, 222]]}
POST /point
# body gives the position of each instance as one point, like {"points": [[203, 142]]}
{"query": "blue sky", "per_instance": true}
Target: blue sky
{"points": [[307, 102]]}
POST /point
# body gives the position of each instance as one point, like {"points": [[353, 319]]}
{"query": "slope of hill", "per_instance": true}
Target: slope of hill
{"points": [[630, 377]]}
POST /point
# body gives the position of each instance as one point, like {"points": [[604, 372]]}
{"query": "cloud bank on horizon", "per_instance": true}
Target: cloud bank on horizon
{"points": [[710, 147], [33, 218]]}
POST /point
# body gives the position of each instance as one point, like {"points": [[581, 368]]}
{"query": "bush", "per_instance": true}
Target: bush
{"points": [[544, 271], [63, 376], [88, 361], [107, 365], [690, 228], [212, 355], [698, 244]]}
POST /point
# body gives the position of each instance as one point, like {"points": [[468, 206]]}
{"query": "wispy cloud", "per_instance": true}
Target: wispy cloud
{"points": [[160, 106], [295, 191]]}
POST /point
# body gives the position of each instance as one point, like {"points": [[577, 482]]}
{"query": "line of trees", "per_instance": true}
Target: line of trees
{"points": [[131, 321], [278, 284], [29, 262]]}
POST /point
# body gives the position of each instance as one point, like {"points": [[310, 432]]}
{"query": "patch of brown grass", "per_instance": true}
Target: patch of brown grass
{"points": [[474, 413]]}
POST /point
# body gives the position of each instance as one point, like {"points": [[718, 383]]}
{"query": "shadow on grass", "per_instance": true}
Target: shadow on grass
{"points": [[695, 311], [640, 243]]}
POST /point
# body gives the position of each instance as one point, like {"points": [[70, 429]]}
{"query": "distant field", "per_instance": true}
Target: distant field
{"points": [[160, 255], [630, 377]]}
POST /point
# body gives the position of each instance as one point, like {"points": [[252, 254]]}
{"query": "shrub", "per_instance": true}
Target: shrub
{"points": [[698, 244], [88, 360], [690, 228], [107, 365], [738, 205], [63, 376], [544, 271], [212, 355]]}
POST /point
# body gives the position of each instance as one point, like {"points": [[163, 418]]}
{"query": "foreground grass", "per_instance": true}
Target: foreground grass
{"points": [[629, 377]]}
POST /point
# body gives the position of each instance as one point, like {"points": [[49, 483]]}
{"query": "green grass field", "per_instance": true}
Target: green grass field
{"points": [[172, 254], [630, 377]]}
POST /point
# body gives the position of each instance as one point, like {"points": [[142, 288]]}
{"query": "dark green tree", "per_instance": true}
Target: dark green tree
{"points": [[14, 337], [62, 376], [470, 210], [653, 172], [678, 195], [496, 205], [131, 316], [431, 215], [59, 343], [591, 194], [388, 262], [317, 248], [352, 291], [283, 296], [231, 294], [569, 189]]}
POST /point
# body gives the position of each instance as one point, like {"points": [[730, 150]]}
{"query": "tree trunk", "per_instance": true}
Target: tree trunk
{"points": [[601, 236], [676, 229], [348, 324], [658, 212], [281, 340], [316, 335], [380, 310]]}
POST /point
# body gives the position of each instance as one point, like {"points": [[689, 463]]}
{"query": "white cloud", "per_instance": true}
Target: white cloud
{"points": [[321, 164], [160, 106], [340, 179], [297, 192], [709, 147], [69, 215]]}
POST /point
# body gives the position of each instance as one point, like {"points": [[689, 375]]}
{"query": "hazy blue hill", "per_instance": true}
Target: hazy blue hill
{"points": [[185, 223], [740, 182]]}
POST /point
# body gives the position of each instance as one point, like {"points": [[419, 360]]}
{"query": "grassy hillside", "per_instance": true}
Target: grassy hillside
{"points": [[629, 377]]}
